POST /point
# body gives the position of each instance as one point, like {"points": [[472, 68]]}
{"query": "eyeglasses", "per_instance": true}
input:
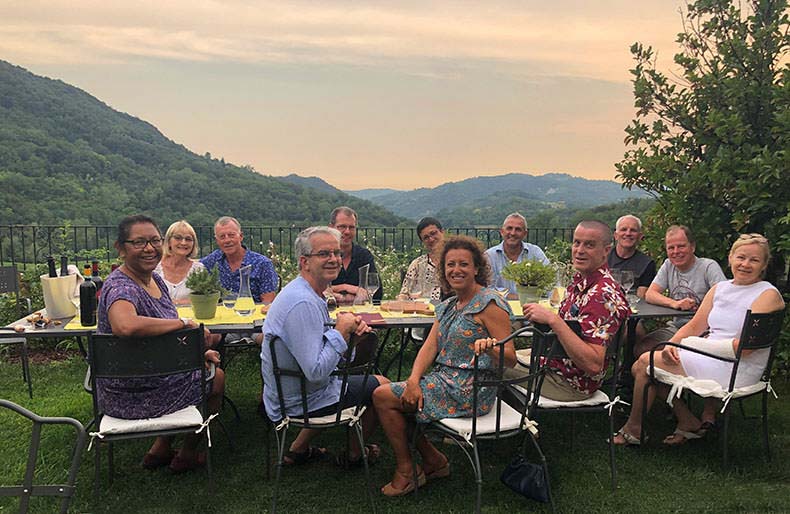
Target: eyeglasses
{"points": [[188, 239], [325, 254], [139, 244], [431, 235], [343, 228]]}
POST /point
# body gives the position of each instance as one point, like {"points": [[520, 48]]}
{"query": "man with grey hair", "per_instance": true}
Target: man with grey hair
{"points": [[346, 285], [512, 249], [299, 319], [625, 256], [232, 255]]}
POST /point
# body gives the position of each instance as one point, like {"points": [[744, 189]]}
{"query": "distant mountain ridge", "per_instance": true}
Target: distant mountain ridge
{"points": [[469, 198], [65, 156]]}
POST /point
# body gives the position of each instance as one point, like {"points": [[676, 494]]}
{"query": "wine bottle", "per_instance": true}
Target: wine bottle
{"points": [[51, 266], [64, 265], [88, 302], [96, 278]]}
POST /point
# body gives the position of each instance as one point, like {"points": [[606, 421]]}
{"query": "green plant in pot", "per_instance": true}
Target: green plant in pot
{"points": [[532, 278], [206, 290]]}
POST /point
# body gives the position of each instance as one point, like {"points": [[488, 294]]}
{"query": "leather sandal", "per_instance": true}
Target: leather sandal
{"points": [[181, 465], [630, 440], [155, 461], [442, 472], [391, 491], [312, 454]]}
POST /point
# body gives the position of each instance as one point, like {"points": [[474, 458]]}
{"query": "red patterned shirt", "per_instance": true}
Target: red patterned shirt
{"points": [[597, 302]]}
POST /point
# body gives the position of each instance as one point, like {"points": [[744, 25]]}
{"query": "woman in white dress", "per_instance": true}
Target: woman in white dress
{"points": [[177, 264], [722, 312]]}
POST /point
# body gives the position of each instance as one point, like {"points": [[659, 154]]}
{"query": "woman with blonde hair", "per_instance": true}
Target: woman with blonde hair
{"points": [[177, 262], [722, 313]]}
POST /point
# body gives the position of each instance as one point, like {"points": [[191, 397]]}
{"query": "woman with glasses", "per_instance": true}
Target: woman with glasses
{"points": [[721, 314], [421, 280], [178, 250], [135, 303]]}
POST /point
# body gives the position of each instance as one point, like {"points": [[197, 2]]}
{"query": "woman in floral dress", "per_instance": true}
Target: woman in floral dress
{"points": [[467, 324]]}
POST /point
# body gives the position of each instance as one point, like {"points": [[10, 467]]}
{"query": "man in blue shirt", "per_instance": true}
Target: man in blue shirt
{"points": [[232, 255], [512, 249], [298, 318]]}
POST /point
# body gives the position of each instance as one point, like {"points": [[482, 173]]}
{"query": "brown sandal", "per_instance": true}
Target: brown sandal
{"points": [[392, 491], [155, 461], [181, 465]]}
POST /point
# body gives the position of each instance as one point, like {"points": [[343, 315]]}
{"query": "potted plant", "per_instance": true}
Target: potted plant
{"points": [[206, 290], [532, 278]]}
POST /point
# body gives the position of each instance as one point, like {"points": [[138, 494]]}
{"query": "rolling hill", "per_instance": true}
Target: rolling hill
{"points": [[67, 157]]}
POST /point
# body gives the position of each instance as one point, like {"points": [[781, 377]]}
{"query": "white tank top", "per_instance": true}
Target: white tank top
{"points": [[730, 303]]}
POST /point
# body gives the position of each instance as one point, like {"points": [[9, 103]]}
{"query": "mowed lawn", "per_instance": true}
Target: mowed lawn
{"points": [[651, 479]]}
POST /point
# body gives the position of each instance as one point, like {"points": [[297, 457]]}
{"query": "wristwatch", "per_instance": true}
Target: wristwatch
{"points": [[186, 321]]}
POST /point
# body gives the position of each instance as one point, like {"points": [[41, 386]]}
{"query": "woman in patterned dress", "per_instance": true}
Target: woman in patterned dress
{"points": [[135, 303], [466, 324]]}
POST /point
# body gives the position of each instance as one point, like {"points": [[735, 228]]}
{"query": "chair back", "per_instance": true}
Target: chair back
{"points": [[504, 387], [27, 488], [9, 280], [345, 368], [149, 356], [759, 331]]}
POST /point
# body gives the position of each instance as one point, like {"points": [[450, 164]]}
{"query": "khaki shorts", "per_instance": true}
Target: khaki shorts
{"points": [[555, 387]]}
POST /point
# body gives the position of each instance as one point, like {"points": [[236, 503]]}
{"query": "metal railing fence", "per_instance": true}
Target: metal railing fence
{"points": [[24, 245]]}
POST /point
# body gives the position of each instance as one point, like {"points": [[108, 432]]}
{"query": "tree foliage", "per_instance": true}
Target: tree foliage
{"points": [[711, 142]]}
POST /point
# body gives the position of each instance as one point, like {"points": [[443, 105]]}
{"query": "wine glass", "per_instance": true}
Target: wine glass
{"points": [[501, 288], [627, 280], [556, 296], [372, 285], [415, 294]]}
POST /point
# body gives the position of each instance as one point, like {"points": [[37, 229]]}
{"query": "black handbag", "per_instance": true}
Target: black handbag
{"points": [[527, 479]]}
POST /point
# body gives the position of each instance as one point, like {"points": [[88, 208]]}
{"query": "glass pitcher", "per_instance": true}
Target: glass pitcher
{"points": [[245, 304]]}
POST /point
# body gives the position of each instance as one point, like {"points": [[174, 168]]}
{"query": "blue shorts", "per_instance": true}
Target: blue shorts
{"points": [[355, 394]]}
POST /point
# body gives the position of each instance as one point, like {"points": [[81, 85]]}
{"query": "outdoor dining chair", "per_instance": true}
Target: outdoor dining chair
{"points": [[502, 421], [760, 331], [348, 417], [28, 488], [546, 346], [181, 351], [9, 283]]}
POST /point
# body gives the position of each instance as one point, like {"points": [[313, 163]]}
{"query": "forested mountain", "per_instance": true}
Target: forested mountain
{"points": [[486, 200], [66, 156]]}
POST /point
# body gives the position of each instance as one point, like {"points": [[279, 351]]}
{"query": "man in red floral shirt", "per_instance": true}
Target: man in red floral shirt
{"points": [[595, 300]]}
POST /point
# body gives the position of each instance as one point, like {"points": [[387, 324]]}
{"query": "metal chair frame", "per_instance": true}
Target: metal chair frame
{"points": [[470, 445], [759, 331], [556, 350], [140, 357], [28, 488], [281, 426], [9, 283]]}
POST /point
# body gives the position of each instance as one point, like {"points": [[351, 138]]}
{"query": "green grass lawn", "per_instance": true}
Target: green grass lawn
{"points": [[652, 479]]}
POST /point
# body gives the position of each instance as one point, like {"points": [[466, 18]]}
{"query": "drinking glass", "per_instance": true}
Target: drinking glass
{"points": [[627, 280], [415, 294], [229, 299], [372, 285], [556, 296]]}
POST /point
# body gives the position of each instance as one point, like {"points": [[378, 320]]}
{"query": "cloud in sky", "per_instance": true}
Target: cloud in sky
{"points": [[432, 91]]}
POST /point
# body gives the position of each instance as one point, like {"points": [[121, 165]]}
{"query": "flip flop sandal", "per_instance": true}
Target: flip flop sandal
{"points": [[312, 454], [373, 451], [685, 436], [392, 492], [629, 439]]}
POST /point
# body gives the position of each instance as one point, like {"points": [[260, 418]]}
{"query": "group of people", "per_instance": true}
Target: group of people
{"points": [[469, 321]]}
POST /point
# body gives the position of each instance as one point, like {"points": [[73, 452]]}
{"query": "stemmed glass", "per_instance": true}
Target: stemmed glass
{"points": [[415, 294], [372, 285], [627, 281]]}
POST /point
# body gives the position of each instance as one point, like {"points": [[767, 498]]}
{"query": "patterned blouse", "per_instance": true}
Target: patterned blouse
{"points": [[421, 276], [597, 302]]}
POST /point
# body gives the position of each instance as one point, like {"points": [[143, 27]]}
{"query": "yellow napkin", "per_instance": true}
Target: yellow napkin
{"points": [[384, 314], [75, 324]]}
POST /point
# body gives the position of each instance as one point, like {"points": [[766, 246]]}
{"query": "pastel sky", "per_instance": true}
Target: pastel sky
{"points": [[362, 94]]}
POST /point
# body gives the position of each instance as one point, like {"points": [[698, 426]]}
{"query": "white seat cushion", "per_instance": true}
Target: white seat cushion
{"points": [[486, 424], [345, 415], [597, 398], [186, 417], [702, 387]]}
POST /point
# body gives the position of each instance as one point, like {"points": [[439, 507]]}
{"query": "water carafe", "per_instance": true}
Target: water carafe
{"points": [[245, 304]]}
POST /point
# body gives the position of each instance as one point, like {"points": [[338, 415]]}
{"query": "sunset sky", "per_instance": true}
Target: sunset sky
{"points": [[362, 94]]}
